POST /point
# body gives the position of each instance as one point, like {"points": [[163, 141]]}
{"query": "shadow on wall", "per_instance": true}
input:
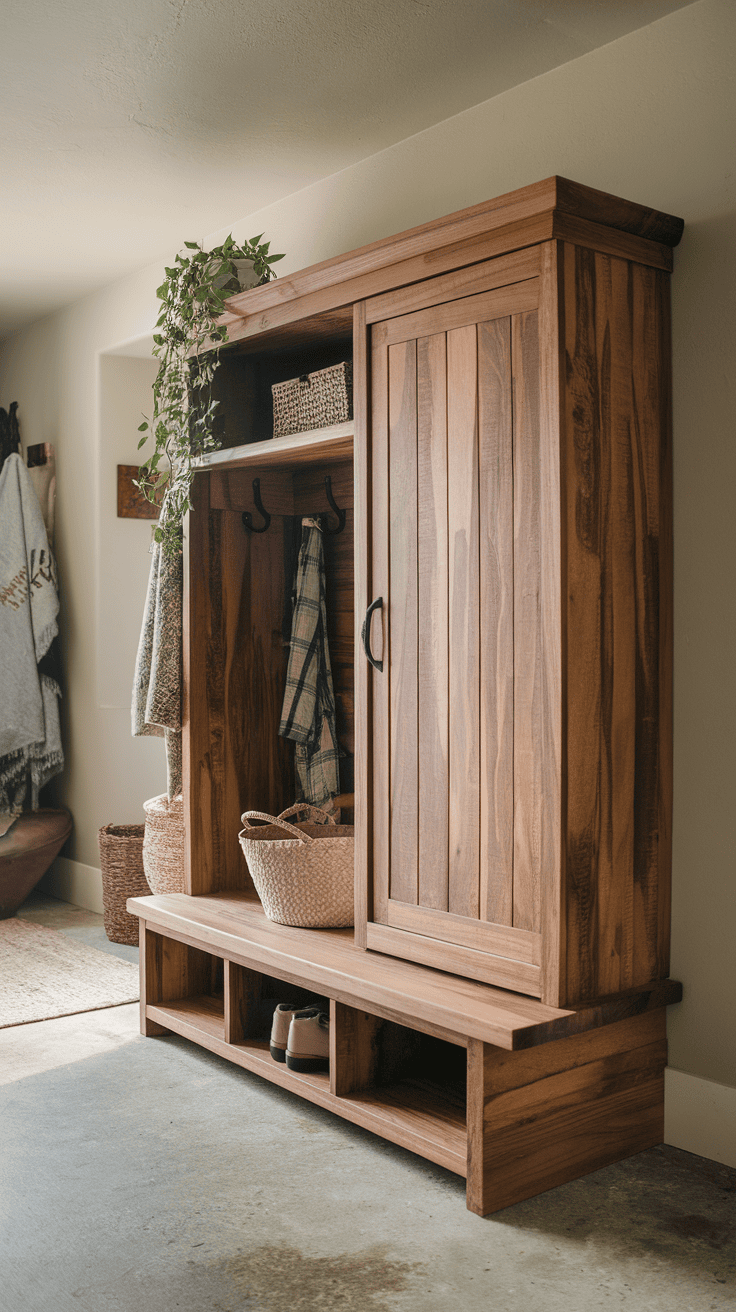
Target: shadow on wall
{"points": [[703, 1032]]}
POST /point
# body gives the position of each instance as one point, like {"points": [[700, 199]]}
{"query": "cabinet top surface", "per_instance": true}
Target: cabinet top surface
{"points": [[323, 294]]}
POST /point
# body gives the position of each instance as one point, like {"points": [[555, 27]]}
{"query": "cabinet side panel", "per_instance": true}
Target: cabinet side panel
{"points": [[613, 434], [553, 549], [203, 701]]}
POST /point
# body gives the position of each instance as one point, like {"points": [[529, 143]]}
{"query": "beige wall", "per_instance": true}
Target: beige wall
{"points": [[651, 117]]}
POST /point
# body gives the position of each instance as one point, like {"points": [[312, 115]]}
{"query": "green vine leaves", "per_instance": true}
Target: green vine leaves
{"points": [[187, 343]]}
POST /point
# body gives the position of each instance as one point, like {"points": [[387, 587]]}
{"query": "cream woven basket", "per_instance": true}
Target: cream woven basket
{"points": [[306, 879], [163, 844]]}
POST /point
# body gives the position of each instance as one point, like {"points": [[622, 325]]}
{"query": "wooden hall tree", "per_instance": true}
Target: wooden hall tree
{"points": [[500, 611]]}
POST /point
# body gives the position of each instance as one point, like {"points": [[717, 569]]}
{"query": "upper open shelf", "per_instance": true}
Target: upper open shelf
{"points": [[333, 443]]}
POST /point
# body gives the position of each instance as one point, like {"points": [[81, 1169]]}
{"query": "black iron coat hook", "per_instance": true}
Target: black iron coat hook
{"points": [[330, 532], [248, 518]]}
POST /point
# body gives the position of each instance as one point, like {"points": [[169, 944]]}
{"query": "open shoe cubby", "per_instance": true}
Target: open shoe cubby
{"points": [[395, 1080], [492, 1085]]}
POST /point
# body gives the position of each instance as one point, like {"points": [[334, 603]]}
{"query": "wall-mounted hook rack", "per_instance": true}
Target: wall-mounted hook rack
{"points": [[329, 532]]}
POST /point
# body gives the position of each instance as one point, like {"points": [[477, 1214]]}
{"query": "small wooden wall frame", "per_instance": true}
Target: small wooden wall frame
{"points": [[131, 503]]}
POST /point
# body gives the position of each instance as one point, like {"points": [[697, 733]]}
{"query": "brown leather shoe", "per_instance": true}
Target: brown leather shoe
{"points": [[308, 1045]]}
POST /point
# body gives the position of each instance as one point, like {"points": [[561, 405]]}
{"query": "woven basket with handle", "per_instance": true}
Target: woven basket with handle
{"points": [[303, 873]]}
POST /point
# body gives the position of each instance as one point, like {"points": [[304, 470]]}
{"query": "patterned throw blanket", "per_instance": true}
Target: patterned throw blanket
{"points": [[308, 714], [156, 710], [30, 741]]}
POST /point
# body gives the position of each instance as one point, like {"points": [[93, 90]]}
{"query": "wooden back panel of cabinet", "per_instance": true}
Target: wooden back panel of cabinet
{"points": [[520, 536], [236, 606]]}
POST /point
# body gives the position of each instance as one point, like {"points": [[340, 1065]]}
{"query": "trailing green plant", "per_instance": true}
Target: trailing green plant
{"points": [[187, 343]]}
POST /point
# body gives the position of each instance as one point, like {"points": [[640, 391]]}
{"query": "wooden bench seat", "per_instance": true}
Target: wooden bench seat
{"points": [[541, 1096]]}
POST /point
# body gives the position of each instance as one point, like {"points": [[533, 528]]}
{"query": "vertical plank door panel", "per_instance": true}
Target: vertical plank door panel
{"points": [[529, 779], [464, 610], [496, 500], [433, 621], [380, 587], [403, 622]]}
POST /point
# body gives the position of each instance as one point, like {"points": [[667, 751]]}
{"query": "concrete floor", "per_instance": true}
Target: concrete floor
{"points": [[146, 1174]]}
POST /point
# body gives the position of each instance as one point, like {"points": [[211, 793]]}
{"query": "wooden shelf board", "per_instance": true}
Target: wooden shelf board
{"points": [[234, 925], [333, 443], [414, 1114]]}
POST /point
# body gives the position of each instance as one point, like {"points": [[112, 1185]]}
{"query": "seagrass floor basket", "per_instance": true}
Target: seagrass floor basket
{"points": [[303, 873], [121, 863]]}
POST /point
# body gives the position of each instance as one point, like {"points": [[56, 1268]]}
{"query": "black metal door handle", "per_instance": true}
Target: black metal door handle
{"points": [[366, 634]]}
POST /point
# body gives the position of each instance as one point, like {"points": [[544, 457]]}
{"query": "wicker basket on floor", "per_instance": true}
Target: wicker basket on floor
{"points": [[121, 862], [303, 873], [163, 845]]}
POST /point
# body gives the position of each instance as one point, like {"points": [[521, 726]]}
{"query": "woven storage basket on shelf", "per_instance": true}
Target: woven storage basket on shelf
{"points": [[121, 861], [306, 879], [163, 845], [313, 400]]}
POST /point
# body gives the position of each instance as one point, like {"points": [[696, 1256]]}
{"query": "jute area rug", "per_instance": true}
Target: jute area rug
{"points": [[44, 973]]}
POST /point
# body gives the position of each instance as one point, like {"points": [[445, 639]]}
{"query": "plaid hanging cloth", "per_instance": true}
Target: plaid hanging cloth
{"points": [[308, 714]]}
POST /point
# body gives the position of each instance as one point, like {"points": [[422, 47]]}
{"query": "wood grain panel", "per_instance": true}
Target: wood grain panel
{"points": [[353, 1049], [242, 991], [496, 745], [582, 232], [519, 298], [501, 940], [464, 608], [403, 620], [442, 954], [433, 673], [380, 683], [519, 219], [327, 961], [517, 267], [563, 1110], [552, 366], [616, 423], [202, 727], [528, 708], [150, 977]]}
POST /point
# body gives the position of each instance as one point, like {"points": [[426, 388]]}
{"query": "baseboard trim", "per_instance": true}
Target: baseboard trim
{"points": [[700, 1116], [72, 881]]}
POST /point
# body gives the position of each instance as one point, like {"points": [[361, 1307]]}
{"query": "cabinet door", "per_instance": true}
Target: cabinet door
{"points": [[457, 716]]}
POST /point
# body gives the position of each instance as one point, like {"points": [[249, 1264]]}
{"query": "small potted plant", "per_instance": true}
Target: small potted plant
{"points": [[187, 341]]}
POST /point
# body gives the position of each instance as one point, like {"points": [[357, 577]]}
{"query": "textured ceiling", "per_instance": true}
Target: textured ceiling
{"points": [[129, 125]]}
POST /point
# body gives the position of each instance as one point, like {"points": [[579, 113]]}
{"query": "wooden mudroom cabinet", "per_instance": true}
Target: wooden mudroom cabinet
{"points": [[500, 613]]}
